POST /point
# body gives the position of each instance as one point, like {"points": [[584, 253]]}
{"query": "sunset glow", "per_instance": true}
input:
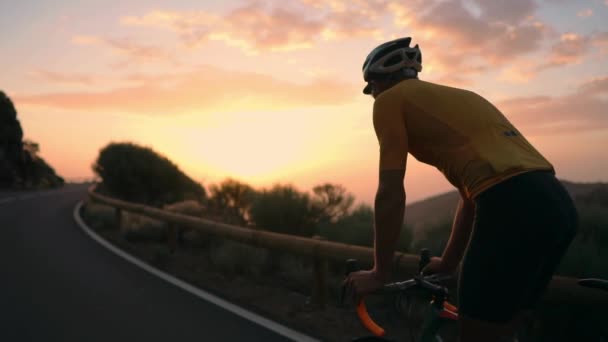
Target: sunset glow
{"points": [[270, 92]]}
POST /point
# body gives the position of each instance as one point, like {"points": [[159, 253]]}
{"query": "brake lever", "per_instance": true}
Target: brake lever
{"points": [[351, 266]]}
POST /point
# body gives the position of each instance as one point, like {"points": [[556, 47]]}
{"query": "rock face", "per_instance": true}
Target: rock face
{"points": [[20, 166]]}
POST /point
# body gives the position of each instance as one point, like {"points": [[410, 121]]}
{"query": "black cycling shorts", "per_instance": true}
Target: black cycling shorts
{"points": [[522, 229]]}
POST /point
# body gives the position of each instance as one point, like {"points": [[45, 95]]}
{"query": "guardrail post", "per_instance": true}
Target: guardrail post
{"points": [[172, 237], [319, 286]]}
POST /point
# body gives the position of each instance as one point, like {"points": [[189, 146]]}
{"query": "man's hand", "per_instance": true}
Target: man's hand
{"points": [[361, 283], [437, 265]]}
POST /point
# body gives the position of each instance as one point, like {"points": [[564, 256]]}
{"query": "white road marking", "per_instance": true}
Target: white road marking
{"points": [[248, 315]]}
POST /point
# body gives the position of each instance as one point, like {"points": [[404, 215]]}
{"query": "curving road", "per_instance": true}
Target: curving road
{"points": [[57, 284]]}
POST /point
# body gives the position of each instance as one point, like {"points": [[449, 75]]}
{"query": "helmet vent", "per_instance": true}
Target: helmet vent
{"points": [[393, 60]]}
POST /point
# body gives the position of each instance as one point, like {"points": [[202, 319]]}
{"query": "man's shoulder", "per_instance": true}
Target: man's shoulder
{"points": [[389, 99], [440, 86], [415, 86]]}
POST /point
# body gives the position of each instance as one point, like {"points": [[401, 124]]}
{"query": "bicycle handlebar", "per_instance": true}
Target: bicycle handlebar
{"points": [[426, 283]]}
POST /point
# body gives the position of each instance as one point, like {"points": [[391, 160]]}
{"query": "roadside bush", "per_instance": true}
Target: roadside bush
{"points": [[356, 228], [283, 209], [99, 216], [331, 202], [190, 236], [230, 201], [138, 174], [238, 259], [138, 228]]}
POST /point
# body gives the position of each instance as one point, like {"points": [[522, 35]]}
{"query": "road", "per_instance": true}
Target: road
{"points": [[58, 284]]}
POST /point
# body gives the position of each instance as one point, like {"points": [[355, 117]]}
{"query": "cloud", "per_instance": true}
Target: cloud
{"points": [[470, 38], [595, 86], [279, 26], [511, 12], [522, 72], [464, 37], [351, 19], [582, 110], [134, 52], [96, 79], [600, 40], [496, 39], [585, 13], [62, 78], [252, 27], [208, 89], [570, 49]]}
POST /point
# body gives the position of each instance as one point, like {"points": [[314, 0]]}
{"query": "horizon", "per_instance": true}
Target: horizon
{"points": [[178, 76]]}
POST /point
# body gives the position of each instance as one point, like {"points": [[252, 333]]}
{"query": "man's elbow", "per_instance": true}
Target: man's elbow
{"points": [[467, 205]]}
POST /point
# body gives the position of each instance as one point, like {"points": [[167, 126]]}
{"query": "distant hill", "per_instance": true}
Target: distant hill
{"points": [[432, 210], [441, 207]]}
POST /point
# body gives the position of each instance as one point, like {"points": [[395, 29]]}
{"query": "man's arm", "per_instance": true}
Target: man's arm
{"points": [[389, 206], [461, 232], [388, 219]]}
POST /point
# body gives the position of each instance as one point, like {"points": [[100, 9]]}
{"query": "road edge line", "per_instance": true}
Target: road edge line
{"points": [[237, 310]]}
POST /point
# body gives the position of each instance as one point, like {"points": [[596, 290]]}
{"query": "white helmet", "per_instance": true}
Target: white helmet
{"points": [[390, 57]]}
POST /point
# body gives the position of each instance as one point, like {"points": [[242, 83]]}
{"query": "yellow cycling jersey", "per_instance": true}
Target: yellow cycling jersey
{"points": [[457, 131]]}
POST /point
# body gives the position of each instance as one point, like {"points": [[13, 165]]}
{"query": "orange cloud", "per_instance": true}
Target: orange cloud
{"points": [[595, 86], [521, 72], [582, 110], [252, 27], [474, 37], [600, 40], [56, 77], [207, 89], [256, 26], [134, 52], [355, 18], [570, 49]]}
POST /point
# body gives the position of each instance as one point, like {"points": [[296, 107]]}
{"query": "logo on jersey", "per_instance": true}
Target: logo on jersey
{"points": [[510, 133]]}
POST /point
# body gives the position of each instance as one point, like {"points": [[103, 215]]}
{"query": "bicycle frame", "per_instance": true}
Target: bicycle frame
{"points": [[436, 318], [438, 313]]}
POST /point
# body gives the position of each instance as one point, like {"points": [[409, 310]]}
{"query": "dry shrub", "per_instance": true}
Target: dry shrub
{"points": [[140, 228], [192, 237], [189, 207], [100, 216], [238, 258]]}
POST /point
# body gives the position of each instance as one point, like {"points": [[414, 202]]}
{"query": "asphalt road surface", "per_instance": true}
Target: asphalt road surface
{"points": [[57, 284]]}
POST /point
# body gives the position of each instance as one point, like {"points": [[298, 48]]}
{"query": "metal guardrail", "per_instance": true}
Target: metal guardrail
{"points": [[561, 289]]}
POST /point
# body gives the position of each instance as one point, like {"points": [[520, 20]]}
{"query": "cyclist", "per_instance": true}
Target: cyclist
{"points": [[514, 220]]}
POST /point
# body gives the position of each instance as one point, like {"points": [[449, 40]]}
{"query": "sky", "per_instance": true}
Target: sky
{"points": [[269, 92]]}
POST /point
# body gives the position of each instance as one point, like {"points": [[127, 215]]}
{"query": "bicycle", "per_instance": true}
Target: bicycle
{"points": [[439, 312]]}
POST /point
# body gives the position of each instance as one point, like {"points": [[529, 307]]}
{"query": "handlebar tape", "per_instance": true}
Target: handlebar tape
{"points": [[449, 311], [450, 307], [367, 321]]}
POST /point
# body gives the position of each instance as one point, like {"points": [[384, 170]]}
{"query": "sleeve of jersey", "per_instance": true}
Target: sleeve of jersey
{"points": [[391, 131]]}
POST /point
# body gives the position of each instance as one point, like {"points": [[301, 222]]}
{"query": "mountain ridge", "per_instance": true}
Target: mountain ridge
{"points": [[440, 207]]}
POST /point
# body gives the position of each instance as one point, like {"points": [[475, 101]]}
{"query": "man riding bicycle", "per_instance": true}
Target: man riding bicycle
{"points": [[514, 220]]}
